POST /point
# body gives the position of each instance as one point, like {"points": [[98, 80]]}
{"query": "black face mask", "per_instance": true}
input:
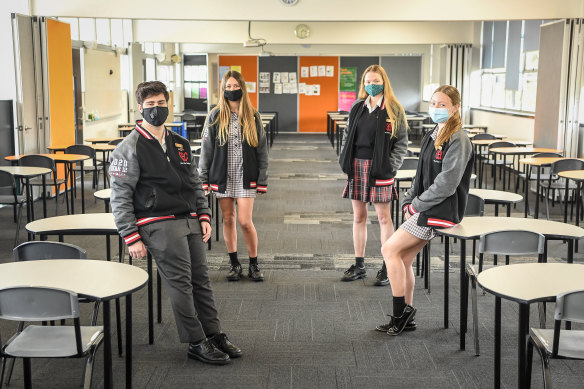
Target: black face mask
{"points": [[233, 95], [156, 116]]}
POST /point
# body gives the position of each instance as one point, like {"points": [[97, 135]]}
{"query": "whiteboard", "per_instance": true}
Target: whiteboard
{"points": [[102, 95]]}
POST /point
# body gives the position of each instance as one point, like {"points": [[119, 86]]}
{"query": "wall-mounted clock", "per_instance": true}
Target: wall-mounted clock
{"points": [[302, 31], [289, 2]]}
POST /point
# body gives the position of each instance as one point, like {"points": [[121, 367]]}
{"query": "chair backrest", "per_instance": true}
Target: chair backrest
{"points": [[512, 242], [484, 137], [38, 250], [38, 161], [29, 303], [7, 180], [547, 155], [475, 206], [501, 143], [569, 306], [115, 142], [566, 164], [81, 149], [409, 163], [188, 116]]}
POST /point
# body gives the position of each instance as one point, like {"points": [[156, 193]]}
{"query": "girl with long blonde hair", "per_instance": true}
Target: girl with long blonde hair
{"points": [[436, 199], [374, 146], [234, 165]]}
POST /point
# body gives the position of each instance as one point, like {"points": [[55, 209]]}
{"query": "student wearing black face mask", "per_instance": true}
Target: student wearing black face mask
{"points": [[234, 165], [159, 204]]}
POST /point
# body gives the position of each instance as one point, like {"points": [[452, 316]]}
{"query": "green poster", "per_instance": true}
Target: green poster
{"points": [[348, 79]]}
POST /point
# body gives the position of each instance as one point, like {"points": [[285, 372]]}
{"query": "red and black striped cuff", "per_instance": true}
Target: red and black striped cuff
{"points": [[132, 238], [205, 218], [205, 186], [262, 188]]}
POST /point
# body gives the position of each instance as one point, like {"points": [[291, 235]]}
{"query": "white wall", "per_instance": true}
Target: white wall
{"points": [[7, 80], [312, 10], [513, 127]]}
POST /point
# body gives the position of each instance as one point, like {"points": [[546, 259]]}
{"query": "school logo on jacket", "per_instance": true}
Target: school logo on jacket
{"points": [[388, 126], [183, 155], [439, 154]]}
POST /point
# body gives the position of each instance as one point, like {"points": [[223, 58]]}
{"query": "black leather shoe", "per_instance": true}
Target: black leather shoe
{"points": [[207, 352], [399, 323], [410, 326], [255, 273], [222, 343], [381, 279], [235, 273], [354, 273]]}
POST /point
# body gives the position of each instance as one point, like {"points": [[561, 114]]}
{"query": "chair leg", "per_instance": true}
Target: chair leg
{"points": [[18, 217], [88, 371], [475, 315], [547, 204], [529, 361], [27, 373], [481, 256], [541, 308], [95, 314], [2, 367]]}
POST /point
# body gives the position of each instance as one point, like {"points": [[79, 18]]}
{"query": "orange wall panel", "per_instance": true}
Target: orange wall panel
{"points": [[249, 70], [312, 109]]}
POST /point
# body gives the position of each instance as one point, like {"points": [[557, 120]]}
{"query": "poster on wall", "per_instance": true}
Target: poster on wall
{"points": [[237, 68], [322, 71], [292, 77], [313, 71], [222, 71], [278, 89], [346, 99], [265, 77], [284, 77], [264, 87], [276, 79], [302, 88], [251, 86], [330, 71], [304, 71], [348, 79]]}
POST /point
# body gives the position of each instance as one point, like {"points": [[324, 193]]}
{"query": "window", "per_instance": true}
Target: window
{"points": [[510, 54], [102, 27], [117, 29], [74, 22], [87, 29]]}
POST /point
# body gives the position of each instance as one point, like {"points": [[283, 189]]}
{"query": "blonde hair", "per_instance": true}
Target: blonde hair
{"points": [[454, 122], [246, 115], [392, 106]]}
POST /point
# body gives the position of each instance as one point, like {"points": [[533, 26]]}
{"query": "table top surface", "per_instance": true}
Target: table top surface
{"points": [[473, 126], [103, 139], [98, 147], [405, 174], [55, 157], [103, 147], [531, 282], [485, 142], [576, 175], [541, 161], [472, 227], [79, 224], [498, 196], [26, 171], [522, 150], [103, 194], [94, 279]]}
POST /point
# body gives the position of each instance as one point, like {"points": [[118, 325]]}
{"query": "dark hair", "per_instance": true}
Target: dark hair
{"points": [[150, 88]]}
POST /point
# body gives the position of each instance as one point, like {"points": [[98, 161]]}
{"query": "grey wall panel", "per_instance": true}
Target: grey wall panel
{"points": [[361, 63], [405, 75], [549, 85], [285, 104]]}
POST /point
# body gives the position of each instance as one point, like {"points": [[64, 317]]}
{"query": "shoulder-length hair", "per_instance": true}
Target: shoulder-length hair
{"points": [[454, 122], [246, 114]]}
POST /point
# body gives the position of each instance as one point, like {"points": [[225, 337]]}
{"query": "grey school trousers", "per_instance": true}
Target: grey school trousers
{"points": [[179, 251]]}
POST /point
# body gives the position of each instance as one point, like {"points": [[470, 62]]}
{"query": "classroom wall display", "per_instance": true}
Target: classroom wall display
{"points": [[277, 96], [405, 76], [196, 83], [348, 93], [247, 65], [320, 89]]}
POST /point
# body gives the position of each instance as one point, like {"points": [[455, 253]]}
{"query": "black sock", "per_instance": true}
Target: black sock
{"points": [[233, 258], [399, 304], [360, 262], [253, 261], [383, 266]]}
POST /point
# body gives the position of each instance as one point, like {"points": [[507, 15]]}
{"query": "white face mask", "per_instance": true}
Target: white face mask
{"points": [[438, 115]]}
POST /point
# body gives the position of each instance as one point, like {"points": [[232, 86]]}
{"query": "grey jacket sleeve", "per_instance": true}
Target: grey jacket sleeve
{"points": [[124, 173], [446, 182], [262, 157], [203, 211], [207, 150], [400, 147]]}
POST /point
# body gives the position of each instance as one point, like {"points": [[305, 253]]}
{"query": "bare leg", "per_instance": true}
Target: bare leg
{"points": [[227, 206], [399, 252], [244, 217], [385, 223], [359, 227]]}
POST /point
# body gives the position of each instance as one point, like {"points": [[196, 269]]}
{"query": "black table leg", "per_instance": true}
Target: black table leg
{"points": [[446, 277], [107, 347], [536, 216], [566, 197], [82, 189], [44, 180], [159, 296], [463, 293], [497, 342], [522, 347], [150, 301], [129, 341]]}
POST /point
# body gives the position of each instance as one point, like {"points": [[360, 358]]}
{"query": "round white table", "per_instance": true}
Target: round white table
{"points": [[525, 284], [28, 172], [96, 280], [497, 197]]}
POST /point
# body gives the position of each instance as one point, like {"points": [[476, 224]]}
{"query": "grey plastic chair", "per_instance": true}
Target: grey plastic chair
{"points": [[491, 159], [558, 344], [410, 163], [530, 175], [90, 152], [8, 183], [115, 142], [555, 182], [35, 250], [475, 206], [33, 304], [49, 163]]}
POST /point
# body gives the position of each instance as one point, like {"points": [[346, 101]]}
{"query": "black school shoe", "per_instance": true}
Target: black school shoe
{"points": [[410, 326], [354, 273], [207, 352], [254, 273], [399, 323], [222, 343], [381, 279], [235, 273]]}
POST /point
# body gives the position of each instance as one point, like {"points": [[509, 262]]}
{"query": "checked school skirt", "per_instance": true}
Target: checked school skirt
{"points": [[358, 188]]}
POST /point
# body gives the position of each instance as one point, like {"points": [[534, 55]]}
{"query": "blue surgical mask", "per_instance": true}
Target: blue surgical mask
{"points": [[374, 89], [439, 115]]}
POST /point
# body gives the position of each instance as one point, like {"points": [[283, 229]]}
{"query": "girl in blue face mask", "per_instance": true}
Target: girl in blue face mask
{"points": [[436, 199], [374, 146]]}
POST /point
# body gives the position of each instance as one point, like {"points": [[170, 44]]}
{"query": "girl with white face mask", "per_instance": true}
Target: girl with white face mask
{"points": [[436, 199]]}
